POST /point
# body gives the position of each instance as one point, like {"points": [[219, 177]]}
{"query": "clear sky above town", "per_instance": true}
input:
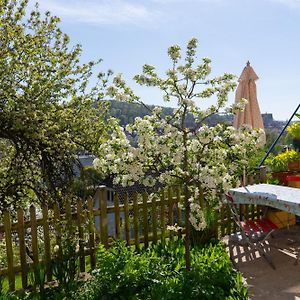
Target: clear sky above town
{"points": [[128, 33]]}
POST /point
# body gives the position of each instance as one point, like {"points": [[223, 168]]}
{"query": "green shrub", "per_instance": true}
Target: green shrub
{"points": [[159, 273], [294, 130]]}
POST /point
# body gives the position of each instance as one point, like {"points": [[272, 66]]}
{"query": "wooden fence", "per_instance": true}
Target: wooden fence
{"points": [[31, 239]]}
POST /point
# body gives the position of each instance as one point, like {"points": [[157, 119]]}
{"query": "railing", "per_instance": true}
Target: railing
{"points": [[279, 136], [30, 239]]}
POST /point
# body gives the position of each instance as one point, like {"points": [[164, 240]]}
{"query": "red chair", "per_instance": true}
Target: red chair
{"points": [[252, 233]]}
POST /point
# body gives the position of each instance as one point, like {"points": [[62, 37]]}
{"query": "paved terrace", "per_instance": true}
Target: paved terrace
{"points": [[265, 282]]}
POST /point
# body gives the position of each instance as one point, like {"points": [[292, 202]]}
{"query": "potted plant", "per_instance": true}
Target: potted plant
{"points": [[293, 159], [294, 131], [282, 163]]}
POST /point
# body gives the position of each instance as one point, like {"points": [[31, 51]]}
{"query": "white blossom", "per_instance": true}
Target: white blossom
{"points": [[56, 249], [165, 149]]}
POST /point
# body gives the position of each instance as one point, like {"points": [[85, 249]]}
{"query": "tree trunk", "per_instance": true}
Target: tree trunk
{"points": [[188, 230], [186, 204]]}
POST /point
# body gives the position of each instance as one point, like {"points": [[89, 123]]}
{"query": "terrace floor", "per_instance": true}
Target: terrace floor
{"points": [[265, 282]]}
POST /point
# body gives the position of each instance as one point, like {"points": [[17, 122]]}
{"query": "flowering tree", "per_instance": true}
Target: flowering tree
{"points": [[203, 160], [49, 110]]}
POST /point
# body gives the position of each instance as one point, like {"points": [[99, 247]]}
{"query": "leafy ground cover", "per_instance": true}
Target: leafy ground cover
{"points": [[156, 273], [159, 273]]}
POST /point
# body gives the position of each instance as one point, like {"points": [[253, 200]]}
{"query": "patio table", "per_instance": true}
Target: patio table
{"points": [[269, 195], [280, 197]]}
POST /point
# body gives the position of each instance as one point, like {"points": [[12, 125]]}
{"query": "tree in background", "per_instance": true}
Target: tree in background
{"points": [[204, 161], [49, 110]]}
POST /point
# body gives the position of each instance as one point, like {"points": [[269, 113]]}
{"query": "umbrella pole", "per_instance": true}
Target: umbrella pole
{"points": [[242, 206], [244, 177], [281, 133]]}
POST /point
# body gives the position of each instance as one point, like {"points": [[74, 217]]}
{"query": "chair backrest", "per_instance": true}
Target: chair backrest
{"points": [[249, 233], [253, 229], [232, 207], [236, 216]]}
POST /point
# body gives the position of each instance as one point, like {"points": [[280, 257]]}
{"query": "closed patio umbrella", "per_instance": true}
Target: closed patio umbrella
{"points": [[247, 89]]}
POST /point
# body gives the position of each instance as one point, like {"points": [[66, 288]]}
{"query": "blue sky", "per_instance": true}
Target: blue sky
{"points": [[126, 34]]}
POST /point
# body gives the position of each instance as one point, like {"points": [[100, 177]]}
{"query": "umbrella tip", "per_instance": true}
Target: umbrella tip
{"points": [[248, 63]]}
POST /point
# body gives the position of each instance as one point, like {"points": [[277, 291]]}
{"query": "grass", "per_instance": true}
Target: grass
{"points": [[18, 283], [18, 277]]}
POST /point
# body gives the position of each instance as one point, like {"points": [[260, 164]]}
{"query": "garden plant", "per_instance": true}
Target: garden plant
{"points": [[159, 273], [49, 109], [294, 131], [279, 162], [204, 161]]}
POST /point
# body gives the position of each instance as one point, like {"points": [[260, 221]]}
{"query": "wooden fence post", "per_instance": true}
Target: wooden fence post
{"points": [[136, 221], [179, 212], [9, 251], [92, 232], [222, 218], [171, 216], [117, 216], [162, 214], [263, 174], [47, 242], [145, 220], [22, 247], [127, 224], [34, 236], [229, 220], [57, 225], [80, 235], [103, 217], [154, 220]]}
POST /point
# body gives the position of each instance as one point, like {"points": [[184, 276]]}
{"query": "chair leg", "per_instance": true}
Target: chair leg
{"points": [[259, 247], [266, 256], [269, 260], [297, 258], [233, 263]]}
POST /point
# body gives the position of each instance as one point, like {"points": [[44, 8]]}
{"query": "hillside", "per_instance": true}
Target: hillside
{"points": [[127, 112]]}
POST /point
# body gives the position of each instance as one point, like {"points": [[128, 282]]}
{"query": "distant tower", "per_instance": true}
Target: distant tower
{"points": [[267, 118]]}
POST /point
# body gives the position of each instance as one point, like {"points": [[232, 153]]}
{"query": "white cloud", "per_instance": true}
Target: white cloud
{"points": [[101, 12]]}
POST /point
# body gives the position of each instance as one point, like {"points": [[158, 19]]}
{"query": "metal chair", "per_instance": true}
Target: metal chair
{"points": [[252, 233]]}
